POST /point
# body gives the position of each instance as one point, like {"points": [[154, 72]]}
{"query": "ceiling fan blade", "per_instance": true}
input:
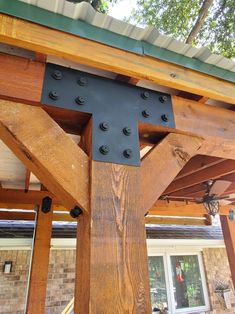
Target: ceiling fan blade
{"points": [[219, 187], [224, 202], [231, 195], [168, 197]]}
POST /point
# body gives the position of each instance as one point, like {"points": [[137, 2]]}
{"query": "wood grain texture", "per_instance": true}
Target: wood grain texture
{"points": [[21, 78], [40, 262], [47, 151], [177, 221], [213, 172], [48, 41], [117, 278], [161, 165], [228, 228]]}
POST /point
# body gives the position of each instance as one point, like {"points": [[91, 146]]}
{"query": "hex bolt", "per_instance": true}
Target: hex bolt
{"points": [[145, 95], [145, 113], [126, 131], [57, 75], [80, 100], [165, 117], [163, 99], [75, 212], [127, 153], [104, 126], [173, 75], [53, 95], [82, 81], [104, 149]]}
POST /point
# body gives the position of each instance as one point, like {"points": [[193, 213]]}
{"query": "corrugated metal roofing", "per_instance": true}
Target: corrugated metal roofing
{"points": [[84, 11]]}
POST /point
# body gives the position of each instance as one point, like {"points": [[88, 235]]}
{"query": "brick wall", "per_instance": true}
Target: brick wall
{"points": [[13, 286], [62, 273], [217, 269]]}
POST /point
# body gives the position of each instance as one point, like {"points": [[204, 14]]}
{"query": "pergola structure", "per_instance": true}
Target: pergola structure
{"points": [[184, 135]]}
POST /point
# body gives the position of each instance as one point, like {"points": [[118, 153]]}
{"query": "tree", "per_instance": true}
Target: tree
{"points": [[99, 5], [207, 23]]}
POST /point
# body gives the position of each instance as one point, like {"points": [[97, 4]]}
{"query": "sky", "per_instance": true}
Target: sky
{"points": [[122, 9]]}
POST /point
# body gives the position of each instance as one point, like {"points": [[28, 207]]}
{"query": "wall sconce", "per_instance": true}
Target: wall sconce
{"points": [[7, 267]]}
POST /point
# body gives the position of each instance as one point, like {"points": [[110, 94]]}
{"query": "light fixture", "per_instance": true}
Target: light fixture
{"points": [[7, 267], [211, 205]]}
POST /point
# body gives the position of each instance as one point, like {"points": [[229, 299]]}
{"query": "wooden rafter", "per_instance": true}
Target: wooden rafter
{"points": [[35, 37], [47, 151], [213, 172], [27, 180]]}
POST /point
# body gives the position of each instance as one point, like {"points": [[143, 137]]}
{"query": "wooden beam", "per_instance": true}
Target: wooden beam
{"points": [[21, 78], [27, 180], [112, 270], [214, 172], [178, 221], [19, 199], [40, 263], [16, 215], [161, 165], [35, 37], [192, 118], [228, 228], [47, 151]]}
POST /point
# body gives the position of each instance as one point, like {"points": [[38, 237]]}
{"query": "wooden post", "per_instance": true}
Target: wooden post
{"points": [[228, 228], [39, 267], [112, 272]]}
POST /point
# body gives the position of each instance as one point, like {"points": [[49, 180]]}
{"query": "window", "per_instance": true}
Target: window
{"points": [[177, 283]]}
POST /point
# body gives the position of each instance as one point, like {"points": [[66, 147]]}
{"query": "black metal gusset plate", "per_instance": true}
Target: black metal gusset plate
{"points": [[116, 109]]}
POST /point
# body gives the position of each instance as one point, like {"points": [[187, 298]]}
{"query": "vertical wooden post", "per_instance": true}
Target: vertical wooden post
{"points": [[39, 268], [112, 272], [228, 228]]}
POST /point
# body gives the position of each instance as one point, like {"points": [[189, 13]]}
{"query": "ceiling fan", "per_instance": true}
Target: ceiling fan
{"points": [[212, 198]]}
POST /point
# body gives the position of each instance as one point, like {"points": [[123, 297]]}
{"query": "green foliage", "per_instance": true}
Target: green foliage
{"points": [[177, 17]]}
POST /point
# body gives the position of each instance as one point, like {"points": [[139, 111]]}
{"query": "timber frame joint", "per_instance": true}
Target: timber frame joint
{"points": [[116, 109]]}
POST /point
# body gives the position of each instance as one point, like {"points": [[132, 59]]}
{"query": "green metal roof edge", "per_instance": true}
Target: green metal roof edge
{"points": [[80, 28], [76, 27]]}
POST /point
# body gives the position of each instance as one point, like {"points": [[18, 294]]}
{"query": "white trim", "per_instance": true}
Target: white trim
{"points": [[154, 245]]}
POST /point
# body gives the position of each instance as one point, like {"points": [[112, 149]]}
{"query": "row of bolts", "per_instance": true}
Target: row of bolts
{"points": [[104, 126]]}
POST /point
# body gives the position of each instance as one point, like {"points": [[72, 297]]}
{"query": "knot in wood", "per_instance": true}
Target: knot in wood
{"points": [[181, 156]]}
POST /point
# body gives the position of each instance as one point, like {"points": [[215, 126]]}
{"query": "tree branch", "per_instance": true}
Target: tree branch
{"points": [[200, 20]]}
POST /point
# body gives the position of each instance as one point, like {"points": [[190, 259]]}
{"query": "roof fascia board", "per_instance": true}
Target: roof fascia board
{"points": [[82, 29]]}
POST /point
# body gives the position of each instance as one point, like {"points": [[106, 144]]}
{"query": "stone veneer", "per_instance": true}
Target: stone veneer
{"points": [[217, 269]]}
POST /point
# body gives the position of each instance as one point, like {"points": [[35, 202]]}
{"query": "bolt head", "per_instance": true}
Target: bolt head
{"points": [[57, 75], [104, 149], [145, 95], [82, 81], [127, 153], [163, 99], [126, 131], [75, 212], [145, 113], [173, 75], [80, 100], [165, 117], [104, 126], [53, 95]]}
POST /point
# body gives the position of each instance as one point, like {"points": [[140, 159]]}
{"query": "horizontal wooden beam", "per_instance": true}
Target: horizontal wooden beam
{"points": [[177, 221], [47, 151], [16, 215], [211, 123], [35, 37]]}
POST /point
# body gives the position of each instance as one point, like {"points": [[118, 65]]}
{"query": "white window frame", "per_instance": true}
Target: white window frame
{"points": [[169, 282]]}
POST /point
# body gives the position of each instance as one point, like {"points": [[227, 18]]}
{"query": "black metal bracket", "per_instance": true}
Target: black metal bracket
{"points": [[116, 109]]}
